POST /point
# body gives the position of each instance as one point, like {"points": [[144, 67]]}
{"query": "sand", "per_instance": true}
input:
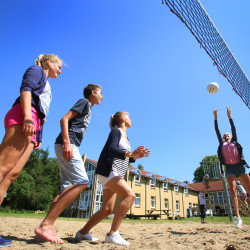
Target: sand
{"points": [[151, 235]]}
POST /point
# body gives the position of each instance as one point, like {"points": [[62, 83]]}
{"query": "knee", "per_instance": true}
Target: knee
{"points": [[5, 169], [12, 176], [132, 196], [82, 187], [107, 210]]}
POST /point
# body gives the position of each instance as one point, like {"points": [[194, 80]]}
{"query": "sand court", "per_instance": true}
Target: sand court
{"points": [[141, 235]]}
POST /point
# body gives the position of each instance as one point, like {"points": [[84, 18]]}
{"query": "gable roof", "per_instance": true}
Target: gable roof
{"points": [[95, 162], [213, 186]]}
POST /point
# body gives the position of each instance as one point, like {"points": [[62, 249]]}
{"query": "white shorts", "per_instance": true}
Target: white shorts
{"points": [[104, 179]]}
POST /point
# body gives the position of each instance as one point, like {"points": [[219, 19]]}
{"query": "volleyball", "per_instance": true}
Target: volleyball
{"points": [[212, 87]]}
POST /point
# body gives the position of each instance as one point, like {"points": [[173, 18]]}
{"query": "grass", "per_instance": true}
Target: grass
{"points": [[215, 219]]}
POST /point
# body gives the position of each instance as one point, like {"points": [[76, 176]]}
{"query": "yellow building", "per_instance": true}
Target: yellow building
{"points": [[156, 196]]}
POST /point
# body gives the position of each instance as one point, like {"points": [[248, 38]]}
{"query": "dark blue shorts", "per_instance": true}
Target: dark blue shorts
{"points": [[235, 170]]}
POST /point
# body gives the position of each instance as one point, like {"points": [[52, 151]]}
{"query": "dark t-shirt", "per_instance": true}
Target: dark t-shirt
{"points": [[79, 124]]}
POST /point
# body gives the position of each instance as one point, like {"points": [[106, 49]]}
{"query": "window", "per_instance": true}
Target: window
{"points": [[152, 201], [99, 196], [195, 205], [166, 204], [165, 186], [221, 198], [152, 181], [190, 205], [137, 200], [186, 191], [137, 179], [209, 198], [177, 205], [176, 188]]}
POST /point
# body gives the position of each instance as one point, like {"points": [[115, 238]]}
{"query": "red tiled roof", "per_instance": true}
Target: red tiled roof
{"points": [[145, 173], [214, 186], [95, 162]]}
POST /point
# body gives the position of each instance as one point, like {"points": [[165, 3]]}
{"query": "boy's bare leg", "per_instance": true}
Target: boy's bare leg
{"points": [[46, 229]]}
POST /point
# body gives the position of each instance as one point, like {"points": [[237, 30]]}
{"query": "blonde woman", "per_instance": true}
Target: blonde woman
{"points": [[111, 168], [24, 120]]}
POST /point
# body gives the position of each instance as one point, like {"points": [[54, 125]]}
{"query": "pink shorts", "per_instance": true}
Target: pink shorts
{"points": [[15, 116]]}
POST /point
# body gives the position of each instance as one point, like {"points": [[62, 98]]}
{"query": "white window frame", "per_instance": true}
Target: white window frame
{"points": [[165, 186], [137, 182], [137, 200], [152, 183], [166, 205], [177, 205], [153, 201], [176, 188]]}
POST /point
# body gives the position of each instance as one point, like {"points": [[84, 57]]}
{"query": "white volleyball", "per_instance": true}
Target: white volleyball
{"points": [[212, 87]]}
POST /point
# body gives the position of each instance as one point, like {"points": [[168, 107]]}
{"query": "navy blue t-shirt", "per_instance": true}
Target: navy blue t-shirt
{"points": [[79, 124]]}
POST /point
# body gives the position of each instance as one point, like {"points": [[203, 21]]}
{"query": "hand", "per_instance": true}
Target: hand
{"points": [[67, 151], [140, 152], [215, 111], [229, 112], [28, 127], [37, 145]]}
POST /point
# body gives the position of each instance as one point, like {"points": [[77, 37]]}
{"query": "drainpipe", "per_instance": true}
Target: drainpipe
{"points": [[172, 201], [132, 189], [145, 196], [160, 197], [183, 203]]}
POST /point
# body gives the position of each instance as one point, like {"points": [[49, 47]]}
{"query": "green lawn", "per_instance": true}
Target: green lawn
{"points": [[216, 219]]}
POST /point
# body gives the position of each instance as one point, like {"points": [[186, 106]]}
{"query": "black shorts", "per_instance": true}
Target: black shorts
{"points": [[203, 211]]}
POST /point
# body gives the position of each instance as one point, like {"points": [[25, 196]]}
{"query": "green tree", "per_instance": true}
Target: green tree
{"points": [[199, 173], [140, 167]]}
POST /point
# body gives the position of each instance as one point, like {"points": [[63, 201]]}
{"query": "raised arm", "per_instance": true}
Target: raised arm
{"points": [[216, 126], [229, 110]]}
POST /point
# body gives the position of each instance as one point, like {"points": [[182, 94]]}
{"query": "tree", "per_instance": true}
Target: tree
{"points": [[199, 173], [37, 184], [140, 167]]}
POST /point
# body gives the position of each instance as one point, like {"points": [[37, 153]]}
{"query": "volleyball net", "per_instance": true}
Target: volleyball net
{"points": [[194, 16]]}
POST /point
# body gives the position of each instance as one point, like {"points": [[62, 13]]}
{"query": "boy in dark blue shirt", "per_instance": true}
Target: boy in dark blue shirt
{"points": [[72, 171]]}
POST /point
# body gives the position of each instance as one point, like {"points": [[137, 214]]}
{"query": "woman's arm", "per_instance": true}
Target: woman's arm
{"points": [[139, 152], [113, 143], [28, 124], [229, 110], [216, 126]]}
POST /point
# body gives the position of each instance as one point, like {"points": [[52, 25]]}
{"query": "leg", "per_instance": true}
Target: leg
{"points": [[121, 187], [14, 173], [13, 146], [245, 180], [46, 229], [233, 188], [109, 198]]}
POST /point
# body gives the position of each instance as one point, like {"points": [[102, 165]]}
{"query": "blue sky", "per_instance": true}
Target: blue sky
{"points": [[147, 62]]}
